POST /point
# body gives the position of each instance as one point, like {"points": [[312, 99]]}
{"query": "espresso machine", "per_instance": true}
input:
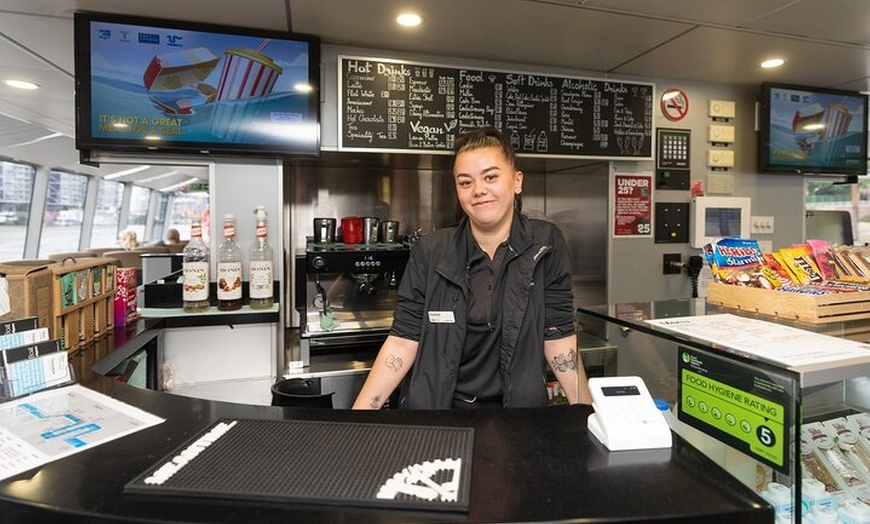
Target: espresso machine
{"points": [[346, 295]]}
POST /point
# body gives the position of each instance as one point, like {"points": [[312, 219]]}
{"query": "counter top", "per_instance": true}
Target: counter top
{"points": [[529, 465]]}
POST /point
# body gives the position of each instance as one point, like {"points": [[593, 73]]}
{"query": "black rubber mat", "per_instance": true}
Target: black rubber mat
{"points": [[376, 465]]}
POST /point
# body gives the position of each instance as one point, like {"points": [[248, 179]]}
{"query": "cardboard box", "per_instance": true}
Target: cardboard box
{"points": [[29, 284], [126, 307]]}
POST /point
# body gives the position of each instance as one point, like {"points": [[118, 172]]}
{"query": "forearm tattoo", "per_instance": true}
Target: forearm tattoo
{"points": [[376, 402], [393, 362], [563, 362]]}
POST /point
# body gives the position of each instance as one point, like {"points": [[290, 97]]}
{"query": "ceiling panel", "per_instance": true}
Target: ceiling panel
{"points": [[839, 21], [53, 44], [516, 31], [732, 58], [728, 13], [260, 14]]}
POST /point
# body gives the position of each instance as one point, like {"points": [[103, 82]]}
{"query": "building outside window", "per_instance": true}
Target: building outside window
{"points": [[852, 198], [110, 194], [64, 212], [16, 193], [138, 217]]}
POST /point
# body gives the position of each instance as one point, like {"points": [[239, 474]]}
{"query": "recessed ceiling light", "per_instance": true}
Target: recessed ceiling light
{"points": [[409, 19], [21, 84], [773, 62]]}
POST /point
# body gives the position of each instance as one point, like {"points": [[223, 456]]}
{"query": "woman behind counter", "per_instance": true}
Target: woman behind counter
{"points": [[482, 305]]}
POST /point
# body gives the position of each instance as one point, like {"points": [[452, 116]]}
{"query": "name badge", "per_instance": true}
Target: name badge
{"points": [[441, 317]]}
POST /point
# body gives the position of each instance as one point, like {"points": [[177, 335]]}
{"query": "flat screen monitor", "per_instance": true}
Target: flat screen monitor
{"points": [[811, 130], [179, 87]]}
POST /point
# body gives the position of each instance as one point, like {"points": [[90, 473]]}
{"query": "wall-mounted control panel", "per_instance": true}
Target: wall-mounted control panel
{"points": [[720, 134], [722, 109], [720, 158]]}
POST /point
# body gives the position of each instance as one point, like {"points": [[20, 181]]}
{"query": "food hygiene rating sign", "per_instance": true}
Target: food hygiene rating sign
{"points": [[737, 405]]}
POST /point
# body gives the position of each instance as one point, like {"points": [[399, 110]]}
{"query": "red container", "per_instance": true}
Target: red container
{"points": [[352, 230]]}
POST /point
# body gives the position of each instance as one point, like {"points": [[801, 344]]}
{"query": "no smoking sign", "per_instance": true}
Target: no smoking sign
{"points": [[674, 104]]}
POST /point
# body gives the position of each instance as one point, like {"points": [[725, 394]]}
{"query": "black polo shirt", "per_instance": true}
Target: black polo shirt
{"points": [[479, 375]]}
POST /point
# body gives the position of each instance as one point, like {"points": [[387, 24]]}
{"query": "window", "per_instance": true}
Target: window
{"points": [[108, 214], [186, 207], [139, 200], [16, 192], [854, 198], [159, 223], [64, 211]]}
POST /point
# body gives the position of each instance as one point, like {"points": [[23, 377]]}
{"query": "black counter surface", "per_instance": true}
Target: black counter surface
{"points": [[529, 465]]}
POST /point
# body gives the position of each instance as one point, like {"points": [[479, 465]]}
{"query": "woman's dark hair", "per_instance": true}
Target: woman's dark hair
{"points": [[486, 137]]}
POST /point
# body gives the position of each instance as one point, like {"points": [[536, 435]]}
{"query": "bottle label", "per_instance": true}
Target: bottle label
{"points": [[195, 288], [261, 279], [229, 280], [229, 230], [261, 231]]}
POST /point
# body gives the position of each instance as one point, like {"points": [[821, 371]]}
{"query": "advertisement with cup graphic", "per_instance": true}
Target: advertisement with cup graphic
{"points": [[168, 84]]}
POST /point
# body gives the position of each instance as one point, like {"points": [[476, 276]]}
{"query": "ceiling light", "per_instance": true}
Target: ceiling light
{"points": [[772, 62], [409, 19], [119, 174], [21, 84]]}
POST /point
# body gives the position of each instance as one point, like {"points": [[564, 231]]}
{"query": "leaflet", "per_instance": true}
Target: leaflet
{"points": [[56, 423], [783, 344]]}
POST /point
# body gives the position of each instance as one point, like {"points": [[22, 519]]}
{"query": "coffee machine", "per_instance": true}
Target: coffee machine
{"points": [[346, 295]]}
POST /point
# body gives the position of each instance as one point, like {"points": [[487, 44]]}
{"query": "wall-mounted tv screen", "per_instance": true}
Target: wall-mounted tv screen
{"points": [[159, 85], [812, 130]]}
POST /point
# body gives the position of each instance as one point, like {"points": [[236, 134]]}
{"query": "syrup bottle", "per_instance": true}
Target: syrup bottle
{"points": [[262, 257], [229, 268]]}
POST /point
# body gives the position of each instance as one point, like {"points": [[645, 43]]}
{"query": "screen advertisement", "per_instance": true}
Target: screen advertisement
{"points": [[814, 130], [160, 85]]}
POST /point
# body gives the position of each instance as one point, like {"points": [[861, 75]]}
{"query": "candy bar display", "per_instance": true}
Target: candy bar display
{"points": [[814, 268], [814, 282]]}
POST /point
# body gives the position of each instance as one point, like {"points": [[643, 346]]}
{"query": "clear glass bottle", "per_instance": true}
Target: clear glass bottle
{"points": [[262, 257], [229, 268], [195, 270]]}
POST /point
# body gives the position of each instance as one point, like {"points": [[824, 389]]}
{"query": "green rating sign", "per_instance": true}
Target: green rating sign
{"points": [[753, 421]]}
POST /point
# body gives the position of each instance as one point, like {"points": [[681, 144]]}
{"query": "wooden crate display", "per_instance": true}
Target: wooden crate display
{"points": [[82, 300], [815, 309], [29, 284]]}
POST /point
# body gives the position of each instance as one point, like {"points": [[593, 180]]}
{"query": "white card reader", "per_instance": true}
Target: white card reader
{"points": [[626, 416]]}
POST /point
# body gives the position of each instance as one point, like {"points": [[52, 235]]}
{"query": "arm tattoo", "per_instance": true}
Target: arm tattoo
{"points": [[375, 402], [562, 362], [394, 363]]}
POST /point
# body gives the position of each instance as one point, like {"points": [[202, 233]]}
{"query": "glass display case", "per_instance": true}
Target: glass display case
{"points": [[784, 407]]}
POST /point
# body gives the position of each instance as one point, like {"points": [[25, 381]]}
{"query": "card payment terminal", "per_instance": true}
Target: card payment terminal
{"points": [[626, 416]]}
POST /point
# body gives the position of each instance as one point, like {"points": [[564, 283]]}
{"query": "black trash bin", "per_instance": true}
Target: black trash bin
{"points": [[299, 393]]}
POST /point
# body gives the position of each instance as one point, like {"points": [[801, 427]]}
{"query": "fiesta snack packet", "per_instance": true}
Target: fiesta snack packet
{"points": [[739, 261]]}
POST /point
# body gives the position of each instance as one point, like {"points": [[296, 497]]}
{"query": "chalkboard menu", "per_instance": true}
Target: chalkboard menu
{"points": [[405, 106]]}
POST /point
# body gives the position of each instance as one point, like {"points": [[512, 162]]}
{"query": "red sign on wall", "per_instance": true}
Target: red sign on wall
{"points": [[632, 205], [674, 104]]}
